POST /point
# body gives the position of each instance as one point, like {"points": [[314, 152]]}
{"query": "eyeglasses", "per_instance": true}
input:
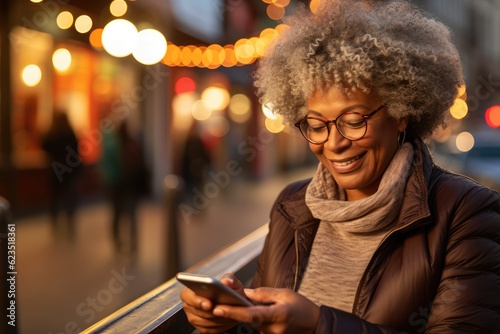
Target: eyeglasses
{"points": [[351, 125]]}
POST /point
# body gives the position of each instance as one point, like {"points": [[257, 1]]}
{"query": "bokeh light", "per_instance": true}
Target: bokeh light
{"points": [[492, 116], [459, 109], [31, 75], [64, 20], [464, 141], [461, 90], [118, 8], [151, 47], [275, 12], [240, 108], [216, 98], [268, 111], [281, 3], [182, 104], [119, 37], [95, 38], [83, 24], [218, 126], [61, 59], [274, 125], [314, 5], [201, 111], [240, 104], [184, 85]]}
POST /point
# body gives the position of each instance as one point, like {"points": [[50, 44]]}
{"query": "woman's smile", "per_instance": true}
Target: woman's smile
{"points": [[346, 165]]}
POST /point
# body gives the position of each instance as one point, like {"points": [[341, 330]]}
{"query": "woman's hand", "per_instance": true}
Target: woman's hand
{"points": [[199, 309], [287, 312]]}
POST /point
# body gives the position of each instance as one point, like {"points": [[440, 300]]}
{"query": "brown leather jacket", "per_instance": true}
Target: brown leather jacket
{"points": [[437, 271]]}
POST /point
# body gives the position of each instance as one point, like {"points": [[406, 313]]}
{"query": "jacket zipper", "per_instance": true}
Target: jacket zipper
{"points": [[296, 278], [369, 268]]}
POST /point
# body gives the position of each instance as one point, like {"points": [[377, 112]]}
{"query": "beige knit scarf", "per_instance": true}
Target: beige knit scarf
{"points": [[349, 231]]}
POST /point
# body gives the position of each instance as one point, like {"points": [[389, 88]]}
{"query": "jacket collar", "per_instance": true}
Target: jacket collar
{"points": [[415, 199]]}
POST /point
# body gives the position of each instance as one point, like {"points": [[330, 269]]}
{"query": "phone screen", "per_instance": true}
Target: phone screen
{"points": [[211, 288]]}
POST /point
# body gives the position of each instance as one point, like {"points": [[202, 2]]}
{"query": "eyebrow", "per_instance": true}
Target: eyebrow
{"points": [[346, 109]]}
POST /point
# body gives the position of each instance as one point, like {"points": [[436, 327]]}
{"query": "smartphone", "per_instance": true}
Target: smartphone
{"points": [[211, 288]]}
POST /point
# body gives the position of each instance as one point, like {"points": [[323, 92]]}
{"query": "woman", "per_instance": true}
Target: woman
{"points": [[381, 240]]}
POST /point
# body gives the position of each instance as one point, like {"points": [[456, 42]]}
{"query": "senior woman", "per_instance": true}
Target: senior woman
{"points": [[380, 240]]}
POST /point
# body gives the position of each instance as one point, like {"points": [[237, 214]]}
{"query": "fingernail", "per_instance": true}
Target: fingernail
{"points": [[229, 278], [205, 305], [218, 312], [249, 291]]}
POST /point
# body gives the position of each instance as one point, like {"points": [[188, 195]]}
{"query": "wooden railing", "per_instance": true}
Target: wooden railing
{"points": [[160, 310]]}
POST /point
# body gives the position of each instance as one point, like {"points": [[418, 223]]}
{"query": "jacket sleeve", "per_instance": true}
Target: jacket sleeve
{"points": [[339, 322], [468, 295]]}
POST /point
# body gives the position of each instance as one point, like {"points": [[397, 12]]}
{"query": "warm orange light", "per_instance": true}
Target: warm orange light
{"points": [[83, 24], [281, 28], [461, 90], [274, 125], [459, 109], [230, 58], [314, 5], [172, 57], [492, 116], [275, 13], [214, 56], [197, 56], [95, 38], [243, 52], [64, 20], [186, 55], [281, 3]]}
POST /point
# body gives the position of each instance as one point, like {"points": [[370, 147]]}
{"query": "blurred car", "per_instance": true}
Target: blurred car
{"points": [[481, 163]]}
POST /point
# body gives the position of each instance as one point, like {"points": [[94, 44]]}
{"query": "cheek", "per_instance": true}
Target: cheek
{"points": [[316, 149]]}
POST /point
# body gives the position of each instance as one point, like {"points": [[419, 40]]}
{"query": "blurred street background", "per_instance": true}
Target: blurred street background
{"points": [[114, 112]]}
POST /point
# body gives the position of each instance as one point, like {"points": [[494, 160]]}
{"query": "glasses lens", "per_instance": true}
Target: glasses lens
{"points": [[352, 125], [314, 130]]}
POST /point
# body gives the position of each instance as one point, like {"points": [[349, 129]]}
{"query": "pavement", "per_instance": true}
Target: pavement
{"points": [[65, 285]]}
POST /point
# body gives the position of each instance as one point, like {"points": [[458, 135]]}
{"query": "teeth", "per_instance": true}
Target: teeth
{"points": [[346, 163]]}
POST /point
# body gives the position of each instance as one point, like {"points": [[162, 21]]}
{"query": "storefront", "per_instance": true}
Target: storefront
{"points": [[60, 62]]}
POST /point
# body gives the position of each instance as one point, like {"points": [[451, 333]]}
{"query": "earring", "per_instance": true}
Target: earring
{"points": [[401, 139]]}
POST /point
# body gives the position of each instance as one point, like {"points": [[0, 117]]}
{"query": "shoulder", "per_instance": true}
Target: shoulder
{"points": [[461, 192], [294, 190], [469, 211]]}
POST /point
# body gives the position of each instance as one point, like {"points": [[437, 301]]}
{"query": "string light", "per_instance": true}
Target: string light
{"points": [[244, 51]]}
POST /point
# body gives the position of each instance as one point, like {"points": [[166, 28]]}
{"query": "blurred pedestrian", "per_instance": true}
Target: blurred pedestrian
{"points": [[126, 178], [196, 163], [61, 145]]}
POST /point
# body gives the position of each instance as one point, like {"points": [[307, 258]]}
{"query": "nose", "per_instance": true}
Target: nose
{"points": [[336, 141]]}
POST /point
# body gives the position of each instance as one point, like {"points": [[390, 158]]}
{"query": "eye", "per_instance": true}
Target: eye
{"points": [[314, 125], [355, 124], [352, 120], [317, 128]]}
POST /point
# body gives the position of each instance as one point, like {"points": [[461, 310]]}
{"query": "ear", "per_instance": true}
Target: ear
{"points": [[402, 124]]}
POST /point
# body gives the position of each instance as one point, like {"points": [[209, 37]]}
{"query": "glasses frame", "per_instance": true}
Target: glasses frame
{"points": [[334, 121]]}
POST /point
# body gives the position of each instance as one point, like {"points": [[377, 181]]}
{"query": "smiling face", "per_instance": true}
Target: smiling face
{"points": [[357, 166]]}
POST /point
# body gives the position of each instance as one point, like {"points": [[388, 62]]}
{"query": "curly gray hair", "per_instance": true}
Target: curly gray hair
{"points": [[394, 50]]}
